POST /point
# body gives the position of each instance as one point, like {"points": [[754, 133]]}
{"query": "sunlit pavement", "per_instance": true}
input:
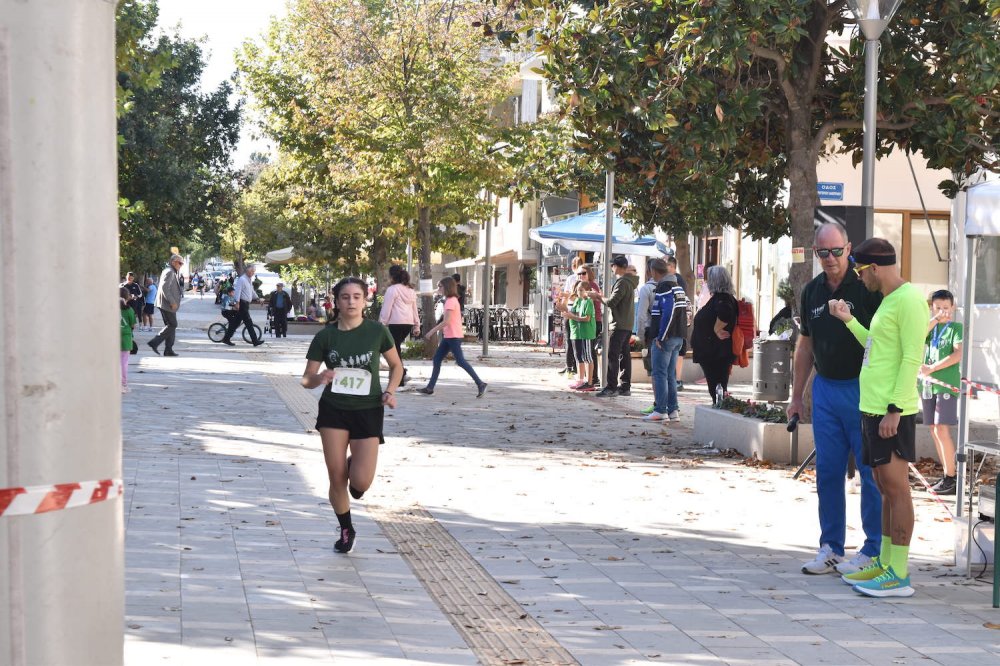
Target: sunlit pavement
{"points": [[618, 539]]}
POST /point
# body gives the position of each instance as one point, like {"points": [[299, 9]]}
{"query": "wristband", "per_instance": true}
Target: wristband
{"points": [[893, 409], [387, 393]]}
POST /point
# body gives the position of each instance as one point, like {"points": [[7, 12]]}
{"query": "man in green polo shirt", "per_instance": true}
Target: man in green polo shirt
{"points": [[893, 353]]}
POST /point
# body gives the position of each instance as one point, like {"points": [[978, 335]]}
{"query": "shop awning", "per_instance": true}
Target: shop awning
{"points": [[585, 233], [505, 257]]}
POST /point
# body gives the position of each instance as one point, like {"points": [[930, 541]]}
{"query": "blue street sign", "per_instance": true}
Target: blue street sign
{"points": [[833, 191]]}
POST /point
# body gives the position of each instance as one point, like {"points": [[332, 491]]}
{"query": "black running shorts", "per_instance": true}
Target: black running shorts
{"points": [[359, 423], [877, 451]]}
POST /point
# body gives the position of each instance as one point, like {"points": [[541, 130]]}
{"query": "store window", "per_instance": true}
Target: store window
{"points": [[987, 273]]}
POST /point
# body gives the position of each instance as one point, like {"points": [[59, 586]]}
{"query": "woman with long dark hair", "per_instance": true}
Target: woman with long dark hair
{"points": [[451, 341], [711, 343], [399, 312], [352, 408]]}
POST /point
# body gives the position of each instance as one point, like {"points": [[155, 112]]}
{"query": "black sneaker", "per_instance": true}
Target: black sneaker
{"points": [[153, 347], [946, 486], [624, 392], [406, 378], [482, 390], [680, 386], [425, 391], [607, 393], [345, 543]]}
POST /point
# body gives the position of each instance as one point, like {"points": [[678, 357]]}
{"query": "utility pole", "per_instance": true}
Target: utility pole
{"points": [[61, 570]]}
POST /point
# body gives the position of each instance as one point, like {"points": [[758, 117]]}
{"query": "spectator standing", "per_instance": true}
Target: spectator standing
{"points": [[621, 315], [657, 268], [827, 346], [169, 295], [893, 351], [942, 355], [568, 289], [461, 291], [586, 273], [582, 331], [399, 313], [148, 307], [668, 324], [128, 321], [281, 304], [352, 408], [672, 270], [297, 298], [244, 295], [134, 294], [713, 329], [451, 340]]}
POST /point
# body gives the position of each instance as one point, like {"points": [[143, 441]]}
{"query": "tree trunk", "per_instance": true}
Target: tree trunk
{"points": [[380, 262], [427, 321], [802, 196], [682, 249]]}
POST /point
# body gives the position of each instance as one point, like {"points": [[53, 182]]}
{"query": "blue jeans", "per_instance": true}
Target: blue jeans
{"points": [[453, 345], [664, 362], [837, 432]]}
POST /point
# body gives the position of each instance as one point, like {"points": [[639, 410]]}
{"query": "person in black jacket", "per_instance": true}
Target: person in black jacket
{"points": [[711, 341], [281, 305]]}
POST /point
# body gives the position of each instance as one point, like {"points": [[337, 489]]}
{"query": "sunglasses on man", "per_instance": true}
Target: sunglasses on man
{"points": [[823, 252]]}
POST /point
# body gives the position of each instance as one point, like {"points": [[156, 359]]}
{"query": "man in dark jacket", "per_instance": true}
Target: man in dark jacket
{"points": [[620, 316], [281, 305]]}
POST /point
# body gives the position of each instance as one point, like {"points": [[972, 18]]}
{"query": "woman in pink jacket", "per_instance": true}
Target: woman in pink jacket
{"points": [[399, 312]]}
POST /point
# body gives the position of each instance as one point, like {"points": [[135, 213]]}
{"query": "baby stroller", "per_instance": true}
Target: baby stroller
{"points": [[269, 322]]}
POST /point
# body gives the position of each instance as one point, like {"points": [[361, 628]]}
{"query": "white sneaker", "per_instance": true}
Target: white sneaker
{"points": [[655, 416], [674, 415], [825, 562], [853, 565]]}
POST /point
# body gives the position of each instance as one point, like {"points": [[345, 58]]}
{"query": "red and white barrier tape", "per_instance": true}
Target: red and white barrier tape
{"points": [[931, 380], [981, 387], [42, 499]]}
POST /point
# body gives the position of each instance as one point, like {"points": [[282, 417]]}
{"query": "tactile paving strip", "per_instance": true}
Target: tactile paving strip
{"points": [[492, 623], [301, 403]]}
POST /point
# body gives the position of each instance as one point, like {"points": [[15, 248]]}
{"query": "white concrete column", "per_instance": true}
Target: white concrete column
{"points": [[61, 572]]}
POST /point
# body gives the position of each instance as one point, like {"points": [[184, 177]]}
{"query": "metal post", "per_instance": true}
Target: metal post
{"points": [[487, 275], [609, 227], [872, 49], [409, 247], [61, 572], [968, 320]]}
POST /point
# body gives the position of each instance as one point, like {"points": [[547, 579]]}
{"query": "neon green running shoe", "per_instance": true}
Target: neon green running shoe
{"points": [[649, 410], [872, 570], [886, 585]]}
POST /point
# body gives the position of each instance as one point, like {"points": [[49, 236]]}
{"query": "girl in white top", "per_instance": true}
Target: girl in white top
{"points": [[399, 312]]}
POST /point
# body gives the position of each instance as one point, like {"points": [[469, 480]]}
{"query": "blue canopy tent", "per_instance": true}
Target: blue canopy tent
{"points": [[585, 233]]}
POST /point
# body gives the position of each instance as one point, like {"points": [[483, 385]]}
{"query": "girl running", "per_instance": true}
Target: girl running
{"points": [[452, 339], [352, 407]]}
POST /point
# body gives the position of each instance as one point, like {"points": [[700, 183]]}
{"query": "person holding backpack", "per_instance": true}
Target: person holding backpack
{"points": [[711, 342], [668, 325]]}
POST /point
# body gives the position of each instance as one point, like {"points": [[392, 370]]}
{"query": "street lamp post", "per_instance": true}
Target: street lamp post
{"points": [[872, 16]]}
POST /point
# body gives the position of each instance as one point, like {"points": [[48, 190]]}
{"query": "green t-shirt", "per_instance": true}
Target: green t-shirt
{"points": [[127, 324], [939, 344], [358, 348], [894, 348], [582, 330]]}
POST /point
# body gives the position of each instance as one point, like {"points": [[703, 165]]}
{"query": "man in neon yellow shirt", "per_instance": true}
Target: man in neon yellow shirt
{"points": [[893, 354]]}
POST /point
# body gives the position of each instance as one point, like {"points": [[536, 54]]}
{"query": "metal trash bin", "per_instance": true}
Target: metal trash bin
{"points": [[772, 370]]}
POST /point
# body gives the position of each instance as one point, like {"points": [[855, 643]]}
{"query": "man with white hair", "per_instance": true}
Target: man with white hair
{"points": [[168, 300], [244, 295]]}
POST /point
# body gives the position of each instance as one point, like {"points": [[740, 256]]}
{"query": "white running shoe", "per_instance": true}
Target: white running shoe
{"points": [[674, 415], [853, 565], [825, 561]]}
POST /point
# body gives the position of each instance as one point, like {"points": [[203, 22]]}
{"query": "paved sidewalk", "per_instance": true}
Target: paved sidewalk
{"points": [[592, 536]]}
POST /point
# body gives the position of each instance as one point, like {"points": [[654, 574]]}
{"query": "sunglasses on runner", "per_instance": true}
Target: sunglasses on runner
{"points": [[858, 268], [823, 252]]}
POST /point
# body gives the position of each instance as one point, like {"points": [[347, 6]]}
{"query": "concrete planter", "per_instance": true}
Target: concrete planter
{"points": [[749, 436], [304, 327]]}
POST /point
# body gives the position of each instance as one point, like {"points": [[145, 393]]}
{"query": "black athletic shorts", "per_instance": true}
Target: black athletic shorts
{"points": [[147, 309], [359, 423], [877, 451]]}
